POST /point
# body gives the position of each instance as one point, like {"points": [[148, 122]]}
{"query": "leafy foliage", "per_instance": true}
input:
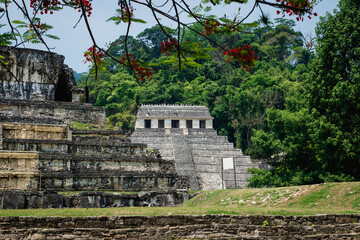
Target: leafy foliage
{"points": [[318, 140]]}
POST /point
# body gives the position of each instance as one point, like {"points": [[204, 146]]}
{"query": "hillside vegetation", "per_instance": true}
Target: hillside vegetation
{"points": [[315, 199]]}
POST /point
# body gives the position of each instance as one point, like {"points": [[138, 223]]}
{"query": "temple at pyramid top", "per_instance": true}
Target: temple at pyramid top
{"points": [[173, 116]]}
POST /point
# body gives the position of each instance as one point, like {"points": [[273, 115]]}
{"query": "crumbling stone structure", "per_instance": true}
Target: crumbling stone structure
{"points": [[39, 150], [185, 134], [36, 75], [90, 199], [320, 227]]}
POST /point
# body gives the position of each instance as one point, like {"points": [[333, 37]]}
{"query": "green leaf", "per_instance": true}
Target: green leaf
{"points": [[168, 61], [18, 22], [207, 9], [192, 64], [114, 18], [253, 24], [138, 20], [52, 36], [224, 20]]}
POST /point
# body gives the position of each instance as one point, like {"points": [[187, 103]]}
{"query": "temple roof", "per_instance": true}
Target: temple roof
{"points": [[173, 112]]}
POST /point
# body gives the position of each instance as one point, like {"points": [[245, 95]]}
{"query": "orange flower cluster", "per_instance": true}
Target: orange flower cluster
{"points": [[140, 72], [168, 46], [92, 56], [210, 27], [299, 8], [243, 55]]}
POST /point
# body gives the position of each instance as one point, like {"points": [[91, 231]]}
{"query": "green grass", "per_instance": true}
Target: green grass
{"points": [[334, 198], [317, 197]]}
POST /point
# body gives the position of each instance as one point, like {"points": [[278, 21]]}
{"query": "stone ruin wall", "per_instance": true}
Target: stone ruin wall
{"points": [[33, 111], [90, 199], [19, 170], [33, 75], [183, 227], [38, 84]]}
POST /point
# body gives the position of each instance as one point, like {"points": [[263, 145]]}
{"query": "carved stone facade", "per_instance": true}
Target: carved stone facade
{"points": [[36, 75], [188, 137]]}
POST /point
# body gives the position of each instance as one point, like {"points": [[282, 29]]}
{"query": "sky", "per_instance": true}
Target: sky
{"points": [[74, 41]]}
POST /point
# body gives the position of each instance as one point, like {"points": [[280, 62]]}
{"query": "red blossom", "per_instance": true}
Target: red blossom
{"points": [[47, 6], [243, 55], [39, 26], [211, 26], [140, 72], [92, 55], [298, 7], [168, 46]]}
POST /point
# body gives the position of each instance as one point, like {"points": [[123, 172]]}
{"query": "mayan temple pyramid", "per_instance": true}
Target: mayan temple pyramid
{"points": [[185, 134]]}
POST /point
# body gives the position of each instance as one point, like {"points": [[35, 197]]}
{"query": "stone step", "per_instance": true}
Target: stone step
{"points": [[101, 133], [36, 145], [150, 139], [158, 145], [35, 131], [124, 181], [205, 168], [83, 173], [212, 146], [239, 161], [202, 131], [109, 140], [148, 157], [91, 147], [207, 139], [50, 162], [7, 116], [219, 153]]}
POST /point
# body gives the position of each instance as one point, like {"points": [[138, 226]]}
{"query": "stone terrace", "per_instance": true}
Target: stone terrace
{"points": [[53, 157]]}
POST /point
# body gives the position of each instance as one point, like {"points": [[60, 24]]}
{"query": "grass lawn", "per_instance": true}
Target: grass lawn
{"points": [[316, 199]]}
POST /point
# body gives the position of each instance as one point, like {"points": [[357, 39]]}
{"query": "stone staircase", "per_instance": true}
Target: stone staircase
{"points": [[184, 162], [199, 154]]}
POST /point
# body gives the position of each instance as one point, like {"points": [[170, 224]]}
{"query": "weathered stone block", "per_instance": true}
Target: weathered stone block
{"points": [[12, 200]]}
